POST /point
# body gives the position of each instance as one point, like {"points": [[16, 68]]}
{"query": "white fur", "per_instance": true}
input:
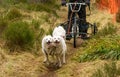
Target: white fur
{"points": [[60, 50], [59, 31], [47, 46]]}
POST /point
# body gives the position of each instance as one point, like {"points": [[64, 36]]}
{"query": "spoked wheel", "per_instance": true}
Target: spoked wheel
{"points": [[74, 36], [74, 40], [94, 29]]}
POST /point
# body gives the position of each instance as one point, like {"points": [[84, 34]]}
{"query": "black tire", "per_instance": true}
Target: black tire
{"points": [[74, 37], [74, 40], [95, 29]]}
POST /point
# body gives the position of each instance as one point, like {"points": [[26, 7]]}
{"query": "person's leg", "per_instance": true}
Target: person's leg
{"points": [[82, 24], [82, 17], [82, 13]]}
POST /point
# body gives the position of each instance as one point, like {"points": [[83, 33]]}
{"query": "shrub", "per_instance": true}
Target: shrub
{"points": [[23, 1], [40, 36], [49, 32], [13, 1], [36, 24], [39, 32], [42, 7], [33, 5], [109, 29], [3, 25], [103, 48], [19, 34], [118, 16], [13, 13], [108, 70]]}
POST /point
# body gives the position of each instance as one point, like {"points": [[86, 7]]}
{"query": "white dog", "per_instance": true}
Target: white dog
{"points": [[59, 31], [47, 46], [60, 50]]}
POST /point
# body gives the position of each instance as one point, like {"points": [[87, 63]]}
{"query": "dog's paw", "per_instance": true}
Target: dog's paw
{"points": [[64, 62]]}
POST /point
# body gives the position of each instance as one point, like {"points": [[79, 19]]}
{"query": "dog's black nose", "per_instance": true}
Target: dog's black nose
{"points": [[48, 42]]}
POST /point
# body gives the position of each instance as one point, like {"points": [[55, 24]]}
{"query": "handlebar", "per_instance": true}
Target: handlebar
{"points": [[74, 10]]}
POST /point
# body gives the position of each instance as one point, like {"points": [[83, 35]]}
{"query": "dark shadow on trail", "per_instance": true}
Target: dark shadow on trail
{"points": [[51, 68], [49, 74]]}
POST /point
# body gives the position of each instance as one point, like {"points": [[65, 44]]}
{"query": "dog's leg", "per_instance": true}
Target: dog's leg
{"points": [[56, 60], [46, 57], [64, 58], [59, 60]]}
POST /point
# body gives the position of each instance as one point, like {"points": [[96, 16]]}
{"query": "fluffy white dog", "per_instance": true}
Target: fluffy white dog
{"points": [[47, 46], [60, 49], [59, 31]]}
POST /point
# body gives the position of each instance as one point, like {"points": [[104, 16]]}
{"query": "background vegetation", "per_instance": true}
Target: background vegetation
{"points": [[19, 34], [16, 31], [103, 46], [23, 24], [108, 70]]}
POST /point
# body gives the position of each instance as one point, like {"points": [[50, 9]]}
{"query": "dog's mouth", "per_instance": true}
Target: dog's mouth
{"points": [[57, 42]]}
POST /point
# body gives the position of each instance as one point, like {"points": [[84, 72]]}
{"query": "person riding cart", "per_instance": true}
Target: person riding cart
{"points": [[83, 27]]}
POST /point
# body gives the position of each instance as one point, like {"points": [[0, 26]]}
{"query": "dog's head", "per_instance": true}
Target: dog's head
{"points": [[56, 39], [48, 39]]}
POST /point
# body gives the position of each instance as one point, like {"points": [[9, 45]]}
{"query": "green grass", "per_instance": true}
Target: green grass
{"points": [[39, 33], [108, 70], [19, 34], [104, 45], [13, 14], [118, 16], [43, 7], [3, 25], [49, 32], [109, 29], [35, 24], [49, 6], [102, 48]]}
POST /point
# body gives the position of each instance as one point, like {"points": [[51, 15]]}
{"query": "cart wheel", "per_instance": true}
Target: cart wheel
{"points": [[74, 40], [74, 36], [94, 30]]}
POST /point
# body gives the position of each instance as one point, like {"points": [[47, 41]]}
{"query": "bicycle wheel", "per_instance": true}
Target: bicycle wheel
{"points": [[94, 28], [74, 40], [74, 36]]}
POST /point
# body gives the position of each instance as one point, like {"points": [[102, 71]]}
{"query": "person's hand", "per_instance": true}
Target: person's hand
{"points": [[63, 2]]}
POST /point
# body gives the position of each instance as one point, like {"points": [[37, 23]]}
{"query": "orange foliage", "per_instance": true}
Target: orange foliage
{"points": [[111, 5]]}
